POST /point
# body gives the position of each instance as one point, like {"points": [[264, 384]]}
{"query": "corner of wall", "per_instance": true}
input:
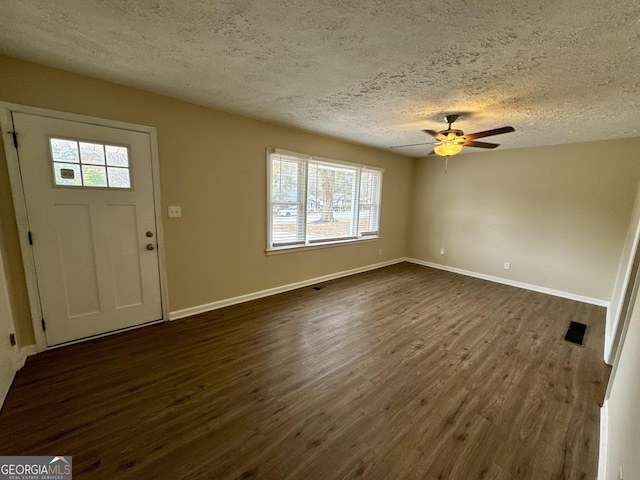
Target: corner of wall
{"points": [[412, 206], [607, 355]]}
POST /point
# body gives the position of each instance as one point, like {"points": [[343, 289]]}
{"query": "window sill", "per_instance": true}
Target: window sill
{"points": [[316, 246]]}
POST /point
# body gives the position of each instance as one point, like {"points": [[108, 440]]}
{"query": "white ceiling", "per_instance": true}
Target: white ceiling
{"points": [[374, 72]]}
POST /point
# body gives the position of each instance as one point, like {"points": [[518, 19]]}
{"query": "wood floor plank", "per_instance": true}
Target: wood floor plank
{"points": [[403, 372]]}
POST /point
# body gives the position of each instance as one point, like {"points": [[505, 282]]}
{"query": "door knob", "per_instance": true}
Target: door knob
{"points": [[151, 246], [149, 234]]}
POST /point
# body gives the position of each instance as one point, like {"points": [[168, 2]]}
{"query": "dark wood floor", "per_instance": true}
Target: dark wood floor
{"points": [[401, 373]]}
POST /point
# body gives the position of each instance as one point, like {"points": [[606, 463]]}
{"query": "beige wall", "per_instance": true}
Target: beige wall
{"points": [[213, 165], [559, 214]]}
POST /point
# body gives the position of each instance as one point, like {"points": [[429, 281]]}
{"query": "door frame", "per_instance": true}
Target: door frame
{"points": [[626, 278], [6, 311], [20, 206]]}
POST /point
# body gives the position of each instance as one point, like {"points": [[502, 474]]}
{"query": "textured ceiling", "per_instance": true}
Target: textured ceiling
{"points": [[374, 72]]}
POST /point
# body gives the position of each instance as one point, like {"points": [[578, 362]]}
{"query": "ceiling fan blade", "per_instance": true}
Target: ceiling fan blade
{"points": [[471, 143], [440, 136], [488, 133], [412, 145]]}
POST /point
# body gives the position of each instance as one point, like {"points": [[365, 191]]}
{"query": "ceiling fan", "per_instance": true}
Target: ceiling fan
{"points": [[450, 141]]}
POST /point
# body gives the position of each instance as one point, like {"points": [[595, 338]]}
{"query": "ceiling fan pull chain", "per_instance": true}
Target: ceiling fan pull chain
{"points": [[446, 163]]}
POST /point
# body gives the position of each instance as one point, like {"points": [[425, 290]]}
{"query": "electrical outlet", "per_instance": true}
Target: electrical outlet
{"points": [[379, 251], [620, 475], [175, 212], [442, 251], [507, 265]]}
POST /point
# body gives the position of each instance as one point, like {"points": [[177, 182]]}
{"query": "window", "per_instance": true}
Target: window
{"points": [[87, 164], [315, 201]]}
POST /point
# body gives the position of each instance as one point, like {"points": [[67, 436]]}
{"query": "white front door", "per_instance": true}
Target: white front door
{"points": [[90, 206]]}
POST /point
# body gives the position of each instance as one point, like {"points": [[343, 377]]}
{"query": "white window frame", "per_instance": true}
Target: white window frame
{"points": [[306, 243]]}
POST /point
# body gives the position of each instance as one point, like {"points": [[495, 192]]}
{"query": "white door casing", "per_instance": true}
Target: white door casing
{"points": [[89, 267], [9, 355]]}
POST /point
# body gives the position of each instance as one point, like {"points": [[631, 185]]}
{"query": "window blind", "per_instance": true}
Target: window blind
{"points": [[315, 200]]}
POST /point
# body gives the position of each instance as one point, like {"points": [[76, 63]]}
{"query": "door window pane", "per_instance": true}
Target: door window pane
{"points": [[117, 156], [94, 176], [67, 174], [64, 150], [92, 153], [118, 177], [90, 164]]}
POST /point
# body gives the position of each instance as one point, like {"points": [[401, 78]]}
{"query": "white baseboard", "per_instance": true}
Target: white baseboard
{"points": [[5, 386], [513, 283], [603, 453], [186, 312], [17, 359], [25, 352]]}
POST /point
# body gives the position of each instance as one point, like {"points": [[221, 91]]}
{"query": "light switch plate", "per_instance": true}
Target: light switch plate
{"points": [[175, 212]]}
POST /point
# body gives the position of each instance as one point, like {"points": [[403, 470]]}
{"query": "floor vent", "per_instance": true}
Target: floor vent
{"points": [[576, 333], [318, 287]]}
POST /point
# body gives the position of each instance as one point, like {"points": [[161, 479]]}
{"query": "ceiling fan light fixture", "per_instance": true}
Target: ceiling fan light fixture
{"points": [[448, 149], [450, 141]]}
